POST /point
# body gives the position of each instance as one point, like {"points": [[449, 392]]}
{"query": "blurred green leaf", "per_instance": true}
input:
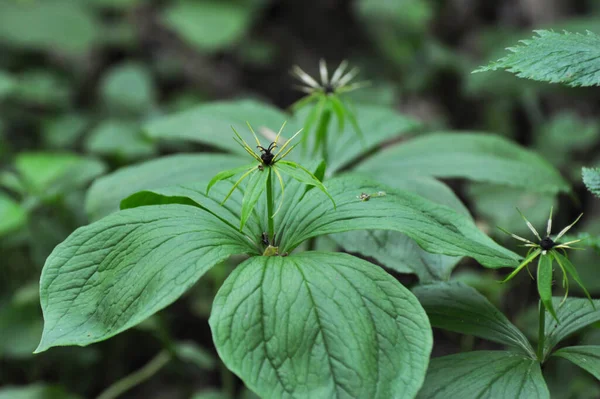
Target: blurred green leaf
{"points": [[587, 357], [12, 215], [128, 87], [50, 25], [7, 84], [492, 374], [20, 329], [116, 4], [43, 88], [49, 174], [63, 131], [210, 395], [105, 195], [459, 308], [474, 156], [191, 352], [209, 25], [120, 139]]}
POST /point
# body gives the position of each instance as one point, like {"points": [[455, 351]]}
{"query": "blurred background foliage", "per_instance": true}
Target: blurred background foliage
{"points": [[80, 78]]}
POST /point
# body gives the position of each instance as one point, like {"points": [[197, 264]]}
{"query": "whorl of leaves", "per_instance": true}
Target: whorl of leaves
{"points": [[569, 58]]}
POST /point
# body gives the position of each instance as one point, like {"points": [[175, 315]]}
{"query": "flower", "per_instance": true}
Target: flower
{"points": [[549, 250], [338, 83], [260, 175]]}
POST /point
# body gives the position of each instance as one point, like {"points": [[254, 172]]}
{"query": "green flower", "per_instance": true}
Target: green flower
{"points": [[325, 95], [548, 249], [260, 175]]}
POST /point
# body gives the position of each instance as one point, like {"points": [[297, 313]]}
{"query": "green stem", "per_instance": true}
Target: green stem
{"points": [[137, 377], [541, 333], [270, 207], [321, 134]]}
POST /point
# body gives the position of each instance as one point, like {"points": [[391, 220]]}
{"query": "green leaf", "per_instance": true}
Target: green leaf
{"points": [[43, 88], [253, 191], [591, 178], [54, 25], [303, 175], [35, 391], [209, 25], [226, 174], [569, 58], [474, 156], [320, 325], [12, 215], [105, 195], [48, 174], [566, 264], [397, 251], [211, 123], [587, 357], [119, 138], [574, 314], [459, 308], [111, 275], [544, 282], [434, 227], [128, 87], [7, 84], [65, 130], [191, 352], [20, 329], [489, 374]]}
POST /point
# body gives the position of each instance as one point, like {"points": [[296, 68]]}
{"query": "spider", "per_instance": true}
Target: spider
{"points": [[267, 156]]}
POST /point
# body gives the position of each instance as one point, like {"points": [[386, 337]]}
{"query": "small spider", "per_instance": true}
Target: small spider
{"points": [[267, 156]]}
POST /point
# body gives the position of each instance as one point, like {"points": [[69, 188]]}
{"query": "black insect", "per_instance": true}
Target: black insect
{"points": [[328, 88], [267, 156], [547, 244]]}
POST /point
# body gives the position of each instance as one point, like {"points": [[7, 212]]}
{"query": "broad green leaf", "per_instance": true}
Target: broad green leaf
{"points": [[105, 195], [434, 227], [7, 84], [128, 87], [397, 251], [12, 215], [474, 156], [484, 374], [314, 325], [252, 193], [569, 58], [587, 357], [211, 123], [51, 25], [591, 178], [35, 391], [544, 282], [457, 307], [302, 175], [574, 314], [48, 174], [111, 275], [119, 138], [209, 25]]}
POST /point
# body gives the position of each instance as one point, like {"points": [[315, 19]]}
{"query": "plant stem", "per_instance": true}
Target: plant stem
{"points": [[137, 377], [541, 333], [321, 133], [270, 207]]}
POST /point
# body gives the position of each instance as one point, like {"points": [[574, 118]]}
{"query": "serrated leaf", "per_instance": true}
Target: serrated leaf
{"points": [[544, 282], [397, 251], [491, 374], [474, 156], [109, 276], [12, 215], [320, 325], [106, 193], [587, 357], [434, 227], [459, 308], [591, 178], [569, 58], [574, 314]]}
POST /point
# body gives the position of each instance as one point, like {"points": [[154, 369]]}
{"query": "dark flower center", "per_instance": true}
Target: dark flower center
{"points": [[547, 244], [328, 88]]}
